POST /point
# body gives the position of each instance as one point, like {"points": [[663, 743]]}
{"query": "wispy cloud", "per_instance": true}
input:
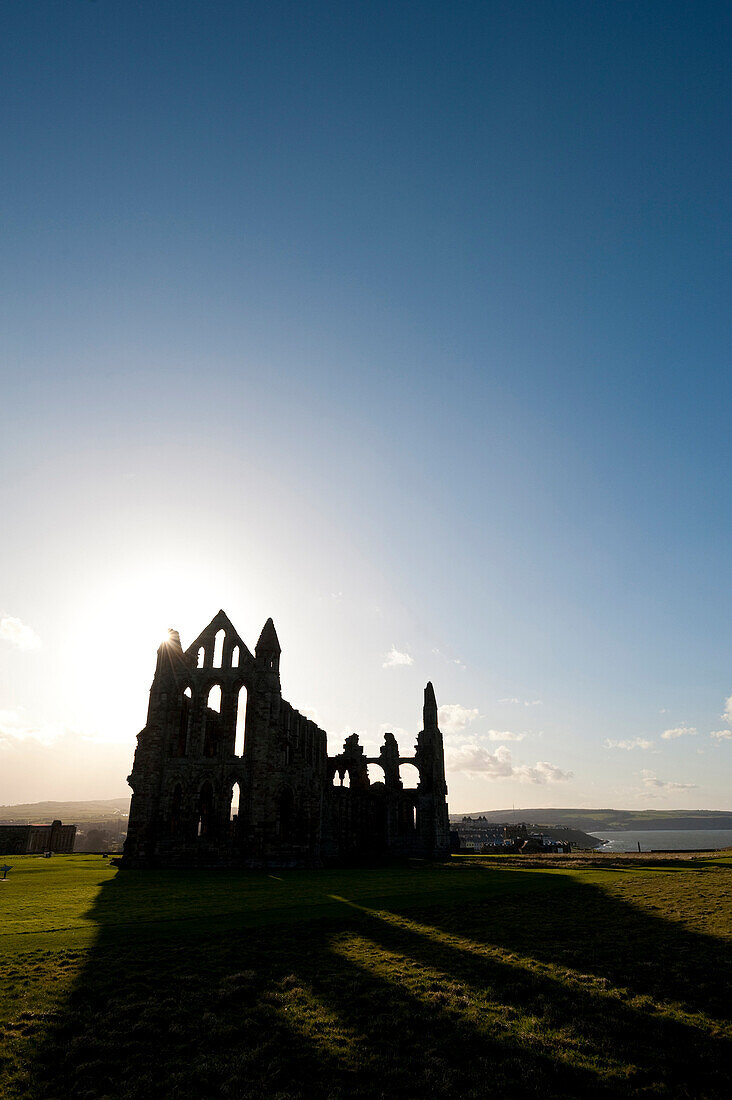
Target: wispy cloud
{"points": [[505, 735], [18, 634], [652, 783], [722, 735], [389, 727], [515, 701], [452, 660], [395, 659], [454, 717], [478, 761], [632, 743], [728, 709], [679, 731]]}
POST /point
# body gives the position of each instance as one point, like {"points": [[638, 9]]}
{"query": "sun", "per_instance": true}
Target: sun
{"points": [[127, 614]]}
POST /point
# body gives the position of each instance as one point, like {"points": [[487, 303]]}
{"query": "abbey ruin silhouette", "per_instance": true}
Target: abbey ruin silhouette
{"points": [[297, 805]]}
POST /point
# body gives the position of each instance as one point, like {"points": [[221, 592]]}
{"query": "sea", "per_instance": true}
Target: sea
{"points": [[663, 840]]}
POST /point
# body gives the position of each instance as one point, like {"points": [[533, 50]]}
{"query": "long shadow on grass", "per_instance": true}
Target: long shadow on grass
{"points": [[504, 984]]}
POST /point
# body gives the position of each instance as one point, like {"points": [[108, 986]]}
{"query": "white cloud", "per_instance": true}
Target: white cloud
{"points": [[728, 709], [652, 783], [395, 659], [389, 727], [521, 702], [633, 743], [454, 717], [18, 634], [477, 760], [543, 772], [679, 731], [722, 735]]}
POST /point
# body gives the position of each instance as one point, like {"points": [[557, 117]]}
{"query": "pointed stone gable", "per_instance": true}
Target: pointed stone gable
{"points": [[268, 640]]}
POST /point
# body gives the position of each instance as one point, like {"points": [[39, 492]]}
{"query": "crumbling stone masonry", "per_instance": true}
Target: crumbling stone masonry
{"points": [[297, 805]]}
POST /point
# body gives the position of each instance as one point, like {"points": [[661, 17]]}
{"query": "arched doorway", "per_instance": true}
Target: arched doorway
{"points": [[234, 805], [241, 718], [212, 733]]}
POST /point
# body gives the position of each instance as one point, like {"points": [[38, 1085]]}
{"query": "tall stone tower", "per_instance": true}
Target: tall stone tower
{"points": [[432, 815]]}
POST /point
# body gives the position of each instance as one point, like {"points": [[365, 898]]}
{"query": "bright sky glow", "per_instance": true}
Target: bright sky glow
{"points": [[407, 325]]}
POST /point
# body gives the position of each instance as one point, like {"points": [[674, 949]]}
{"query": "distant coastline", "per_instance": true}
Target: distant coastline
{"points": [[605, 820], [666, 840]]}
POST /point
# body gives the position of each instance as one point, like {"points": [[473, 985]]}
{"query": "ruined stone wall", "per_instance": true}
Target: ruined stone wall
{"points": [[293, 809]]}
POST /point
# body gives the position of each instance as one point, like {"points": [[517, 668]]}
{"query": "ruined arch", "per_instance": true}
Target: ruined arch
{"points": [[234, 800], [376, 773], [407, 819], [212, 722], [240, 719], [218, 652], [409, 774], [181, 733]]}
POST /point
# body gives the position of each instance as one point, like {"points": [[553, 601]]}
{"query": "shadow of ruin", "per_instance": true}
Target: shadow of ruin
{"points": [[497, 983]]}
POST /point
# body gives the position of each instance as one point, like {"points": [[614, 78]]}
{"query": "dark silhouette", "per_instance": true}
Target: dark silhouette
{"points": [[297, 806]]}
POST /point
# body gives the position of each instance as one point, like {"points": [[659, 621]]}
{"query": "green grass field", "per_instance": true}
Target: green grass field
{"points": [[482, 977]]}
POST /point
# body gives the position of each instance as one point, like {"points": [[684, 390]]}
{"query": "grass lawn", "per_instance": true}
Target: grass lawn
{"points": [[481, 977]]}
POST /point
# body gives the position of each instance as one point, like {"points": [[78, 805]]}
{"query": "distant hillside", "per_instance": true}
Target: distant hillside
{"points": [[589, 820], [68, 812]]}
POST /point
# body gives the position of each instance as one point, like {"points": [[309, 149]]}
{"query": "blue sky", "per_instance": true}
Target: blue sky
{"points": [[405, 323]]}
